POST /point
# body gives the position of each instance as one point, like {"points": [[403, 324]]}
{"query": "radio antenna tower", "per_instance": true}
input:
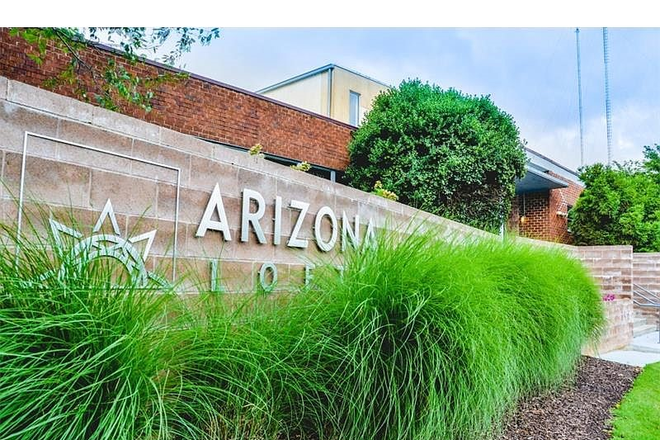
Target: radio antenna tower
{"points": [[579, 80], [608, 108]]}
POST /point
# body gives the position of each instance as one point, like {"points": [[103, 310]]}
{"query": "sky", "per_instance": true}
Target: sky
{"points": [[530, 73]]}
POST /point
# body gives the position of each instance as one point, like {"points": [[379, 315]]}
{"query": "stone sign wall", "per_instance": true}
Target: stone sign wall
{"points": [[176, 202], [205, 202]]}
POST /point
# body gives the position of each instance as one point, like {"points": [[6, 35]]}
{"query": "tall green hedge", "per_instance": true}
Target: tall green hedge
{"points": [[620, 204], [448, 153]]}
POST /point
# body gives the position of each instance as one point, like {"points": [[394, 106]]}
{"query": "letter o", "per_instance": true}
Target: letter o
{"points": [[262, 276], [325, 246]]}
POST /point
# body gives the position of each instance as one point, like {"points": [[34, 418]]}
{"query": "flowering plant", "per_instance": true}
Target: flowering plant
{"points": [[609, 297], [255, 150], [379, 190], [303, 166]]}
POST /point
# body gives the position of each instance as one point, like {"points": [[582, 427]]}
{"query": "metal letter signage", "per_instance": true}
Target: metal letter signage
{"points": [[325, 246], [106, 245], [347, 232], [294, 241], [252, 218], [214, 205]]}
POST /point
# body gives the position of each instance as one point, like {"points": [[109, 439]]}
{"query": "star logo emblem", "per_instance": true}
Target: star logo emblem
{"points": [[113, 245]]}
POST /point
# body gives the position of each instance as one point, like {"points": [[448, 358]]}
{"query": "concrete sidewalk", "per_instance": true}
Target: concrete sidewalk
{"points": [[644, 350]]}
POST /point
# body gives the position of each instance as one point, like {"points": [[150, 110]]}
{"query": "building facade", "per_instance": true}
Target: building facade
{"points": [[333, 91], [543, 198], [317, 130]]}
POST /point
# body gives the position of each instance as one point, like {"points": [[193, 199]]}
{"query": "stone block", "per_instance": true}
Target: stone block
{"points": [[295, 276], [44, 148], [9, 209], [252, 250], [264, 184], [47, 101], [163, 243], [3, 87], [46, 180], [15, 120], [212, 245], [125, 125], [93, 137], [164, 157], [242, 159], [83, 220], [129, 195], [285, 254], [233, 277], [290, 190], [238, 276], [205, 173], [187, 143], [192, 204]]}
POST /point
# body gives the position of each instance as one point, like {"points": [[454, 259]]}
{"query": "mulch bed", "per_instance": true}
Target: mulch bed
{"points": [[578, 411]]}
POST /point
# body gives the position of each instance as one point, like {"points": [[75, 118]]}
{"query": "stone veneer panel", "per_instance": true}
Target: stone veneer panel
{"points": [[144, 196]]}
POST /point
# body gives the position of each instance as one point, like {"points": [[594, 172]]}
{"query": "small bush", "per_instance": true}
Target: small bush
{"points": [[620, 204]]}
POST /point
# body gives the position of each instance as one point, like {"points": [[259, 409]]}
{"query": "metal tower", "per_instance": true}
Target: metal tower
{"points": [[608, 107], [579, 79]]}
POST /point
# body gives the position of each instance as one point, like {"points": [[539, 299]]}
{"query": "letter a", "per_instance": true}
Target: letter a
{"points": [[214, 205]]}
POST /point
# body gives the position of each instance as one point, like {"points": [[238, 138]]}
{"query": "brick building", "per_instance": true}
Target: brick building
{"points": [[238, 119], [543, 198]]}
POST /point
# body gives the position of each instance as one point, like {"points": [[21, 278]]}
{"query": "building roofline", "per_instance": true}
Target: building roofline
{"points": [[317, 71], [297, 78], [563, 167], [221, 84], [355, 72]]}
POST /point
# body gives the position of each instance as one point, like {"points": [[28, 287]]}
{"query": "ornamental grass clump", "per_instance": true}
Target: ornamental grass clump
{"points": [[87, 350], [424, 339], [416, 338], [81, 346]]}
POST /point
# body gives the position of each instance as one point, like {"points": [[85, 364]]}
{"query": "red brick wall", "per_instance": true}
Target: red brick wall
{"points": [[205, 108], [534, 207], [545, 212], [560, 201]]}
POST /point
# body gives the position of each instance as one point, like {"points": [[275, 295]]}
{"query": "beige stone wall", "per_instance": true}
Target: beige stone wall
{"points": [[646, 270], [60, 170], [646, 274], [611, 266], [619, 330], [143, 195]]}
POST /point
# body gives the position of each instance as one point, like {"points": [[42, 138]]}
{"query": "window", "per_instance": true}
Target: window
{"points": [[354, 108]]}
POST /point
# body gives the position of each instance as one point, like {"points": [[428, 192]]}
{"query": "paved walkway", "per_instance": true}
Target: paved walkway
{"points": [[644, 350]]}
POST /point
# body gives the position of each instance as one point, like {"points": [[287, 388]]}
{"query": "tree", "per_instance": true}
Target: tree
{"points": [[620, 204], [448, 153], [112, 85]]}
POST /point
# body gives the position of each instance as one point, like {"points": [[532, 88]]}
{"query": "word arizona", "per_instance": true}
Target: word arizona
{"points": [[252, 219]]}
